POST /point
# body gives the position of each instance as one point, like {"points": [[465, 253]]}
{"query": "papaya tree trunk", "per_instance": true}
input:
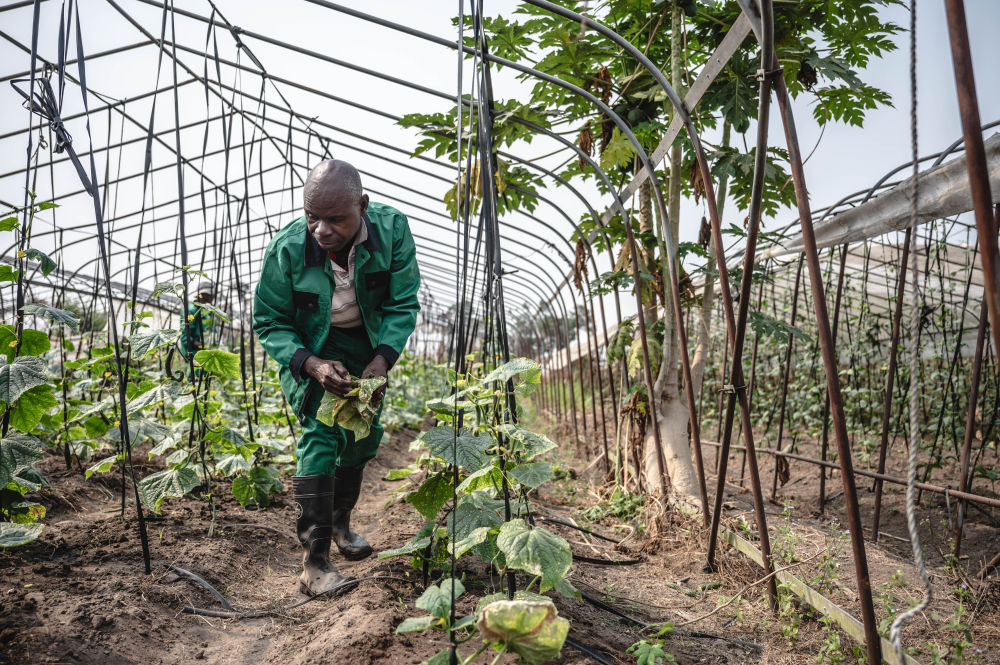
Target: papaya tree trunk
{"points": [[672, 412]]}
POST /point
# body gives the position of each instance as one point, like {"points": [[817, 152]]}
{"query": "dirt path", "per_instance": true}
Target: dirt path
{"points": [[78, 594]]}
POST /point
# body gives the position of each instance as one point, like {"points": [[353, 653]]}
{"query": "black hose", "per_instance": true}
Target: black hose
{"points": [[686, 633], [578, 528], [194, 578], [256, 614], [606, 562], [588, 651]]}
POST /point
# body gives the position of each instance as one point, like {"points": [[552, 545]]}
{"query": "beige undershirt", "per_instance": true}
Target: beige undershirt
{"points": [[344, 310]]}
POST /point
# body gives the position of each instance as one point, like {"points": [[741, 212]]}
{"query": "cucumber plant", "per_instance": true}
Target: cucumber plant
{"points": [[477, 469]]}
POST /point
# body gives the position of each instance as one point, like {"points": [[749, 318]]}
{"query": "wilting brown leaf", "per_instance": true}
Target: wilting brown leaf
{"points": [[586, 143], [580, 264], [705, 232]]}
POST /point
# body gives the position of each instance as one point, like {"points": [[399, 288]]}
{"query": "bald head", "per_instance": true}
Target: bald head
{"points": [[334, 204], [333, 174]]}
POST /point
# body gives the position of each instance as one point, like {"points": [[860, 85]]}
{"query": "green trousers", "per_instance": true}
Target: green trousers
{"points": [[321, 448]]}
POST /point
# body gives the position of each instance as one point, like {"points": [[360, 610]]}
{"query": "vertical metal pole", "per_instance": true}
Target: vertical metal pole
{"points": [[890, 382], [826, 401], [872, 638], [970, 430], [975, 158], [785, 379]]}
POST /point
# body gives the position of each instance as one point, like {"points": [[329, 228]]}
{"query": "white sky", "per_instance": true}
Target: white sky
{"points": [[846, 160]]}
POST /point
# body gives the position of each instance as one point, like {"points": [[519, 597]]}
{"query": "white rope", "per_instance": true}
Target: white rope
{"points": [[914, 396]]}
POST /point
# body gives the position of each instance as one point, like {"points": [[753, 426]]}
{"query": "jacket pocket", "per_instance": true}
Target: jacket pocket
{"points": [[305, 301]]}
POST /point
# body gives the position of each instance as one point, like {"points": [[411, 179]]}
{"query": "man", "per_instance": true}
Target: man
{"points": [[337, 296]]}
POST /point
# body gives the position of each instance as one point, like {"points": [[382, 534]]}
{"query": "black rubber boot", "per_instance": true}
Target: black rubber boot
{"points": [[345, 497], [314, 502]]}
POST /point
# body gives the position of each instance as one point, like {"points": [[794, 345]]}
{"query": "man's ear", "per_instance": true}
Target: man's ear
{"points": [[364, 203]]}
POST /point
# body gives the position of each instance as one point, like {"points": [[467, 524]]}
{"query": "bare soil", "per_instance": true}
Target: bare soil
{"points": [[79, 594]]}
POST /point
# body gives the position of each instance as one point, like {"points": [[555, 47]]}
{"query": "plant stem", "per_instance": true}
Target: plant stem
{"points": [[475, 655]]}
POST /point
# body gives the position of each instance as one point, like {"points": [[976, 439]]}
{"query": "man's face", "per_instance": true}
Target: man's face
{"points": [[333, 216]]}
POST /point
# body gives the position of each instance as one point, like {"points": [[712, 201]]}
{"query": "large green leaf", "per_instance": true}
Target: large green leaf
{"points": [[21, 375], [12, 535], [532, 630], [231, 464], [431, 496], [475, 538], [103, 466], [154, 396], [530, 370], [219, 362], [418, 543], [48, 265], [33, 342], [256, 487], [31, 406], [488, 478], [524, 441], [417, 624], [144, 343], [466, 449], [532, 475], [168, 483], [475, 511], [18, 452], [535, 550], [437, 598], [54, 315]]}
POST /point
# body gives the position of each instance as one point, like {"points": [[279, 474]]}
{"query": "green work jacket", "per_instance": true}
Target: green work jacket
{"points": [[292, 302]]}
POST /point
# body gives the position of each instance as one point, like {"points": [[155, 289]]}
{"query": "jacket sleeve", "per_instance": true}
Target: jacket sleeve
{"points": [[274, 313], [399, 309]]}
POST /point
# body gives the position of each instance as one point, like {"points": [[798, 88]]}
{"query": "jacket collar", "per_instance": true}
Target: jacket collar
{"points": [[316, 255]]}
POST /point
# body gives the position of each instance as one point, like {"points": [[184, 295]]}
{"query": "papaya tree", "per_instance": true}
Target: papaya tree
{"points": [[822, 48]]}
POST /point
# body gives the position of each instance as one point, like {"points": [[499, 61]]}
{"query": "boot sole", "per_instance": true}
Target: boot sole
{"points": [[356, 556], [304, 590]]}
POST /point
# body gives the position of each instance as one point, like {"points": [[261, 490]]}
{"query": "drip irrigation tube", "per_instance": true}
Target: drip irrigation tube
{"points": [[256, 614], [578, 528], [588, 651]]}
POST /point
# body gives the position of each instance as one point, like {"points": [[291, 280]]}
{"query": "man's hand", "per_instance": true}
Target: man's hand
{"points": [[331, 374], [377, 367]]}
